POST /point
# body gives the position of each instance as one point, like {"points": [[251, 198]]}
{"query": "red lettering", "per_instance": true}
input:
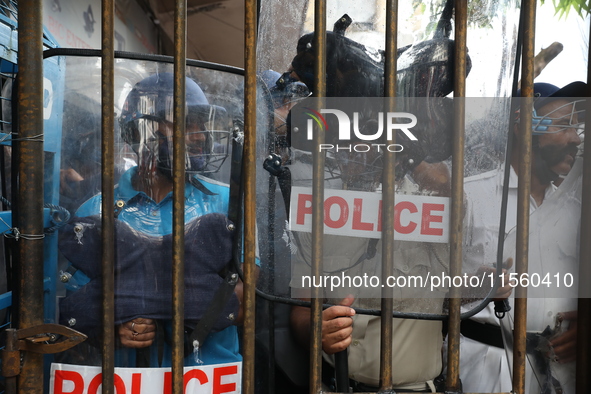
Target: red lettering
{"points": [[304, 207], [344, 212], [167, 389], [74, 377], [74, 41], [398, 208], [136, 383], [192, 374], [195, 374], [56, 28], [357, 223], [97, 381], [70, 39], [428, 219], [218, 387]]}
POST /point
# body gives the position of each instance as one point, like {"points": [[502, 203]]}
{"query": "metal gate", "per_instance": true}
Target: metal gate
{"points": [[31, 337]]}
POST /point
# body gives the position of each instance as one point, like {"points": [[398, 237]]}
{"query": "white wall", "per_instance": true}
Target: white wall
{"points": [[77, 24]]}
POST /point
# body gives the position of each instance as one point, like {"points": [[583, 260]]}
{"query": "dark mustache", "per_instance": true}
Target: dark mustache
{"points": [[554, 154]]}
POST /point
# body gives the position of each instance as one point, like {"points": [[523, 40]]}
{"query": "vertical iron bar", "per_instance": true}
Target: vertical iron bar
{"points": [[108, 199], [457, 194], [178, 208], [388, 200], [250, 159], [271, 278], [523, 194], [583, 365], [318, 159], [28, 209], [9, 362]]}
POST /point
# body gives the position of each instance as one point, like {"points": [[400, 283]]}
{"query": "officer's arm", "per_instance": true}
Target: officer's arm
{"points": [[239, 291]]}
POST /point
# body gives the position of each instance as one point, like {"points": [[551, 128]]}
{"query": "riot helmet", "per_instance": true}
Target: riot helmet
{"points": [[284, 92], [544, 94], [146, 125], [555, 110], [425, 70], [352, 69], [284, 89]]}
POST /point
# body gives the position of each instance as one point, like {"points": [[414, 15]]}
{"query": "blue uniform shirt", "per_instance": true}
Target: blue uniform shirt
{"points": [[155, 219]]}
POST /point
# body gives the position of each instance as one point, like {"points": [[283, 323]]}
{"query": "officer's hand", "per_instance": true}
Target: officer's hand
{"points": [[434, 177], [337, 326], [137, 333], [504, 292], [67, 177], [565, 344]]}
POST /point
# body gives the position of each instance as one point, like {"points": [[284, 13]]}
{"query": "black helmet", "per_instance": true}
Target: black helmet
{"points": [[352, 69], [284, 89]]}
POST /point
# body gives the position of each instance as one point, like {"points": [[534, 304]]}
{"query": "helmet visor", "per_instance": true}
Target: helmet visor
{"points": [[207, 136]]}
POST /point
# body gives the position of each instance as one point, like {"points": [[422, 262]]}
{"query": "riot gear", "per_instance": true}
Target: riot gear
{"points": [[552, 119], [146, 124]]}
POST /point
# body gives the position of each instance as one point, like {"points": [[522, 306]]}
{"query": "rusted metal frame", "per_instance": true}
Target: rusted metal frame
{"points": [[28, 207], [249, 174], [318, 158], [453, 383], [523, 194], [11, 361], [583, 365], [108, 199], [388, 200], [178, 198]]}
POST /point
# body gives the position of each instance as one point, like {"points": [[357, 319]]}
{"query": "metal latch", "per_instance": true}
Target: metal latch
{"points": [[44, 339]]}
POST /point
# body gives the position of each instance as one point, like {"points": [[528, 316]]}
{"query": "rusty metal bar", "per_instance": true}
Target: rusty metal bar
{"points": [[523, 194], [388, 201], [583, 365], [108, 199], [178, 199], [457, 194], [10, 361], [319, 44], [249, 173], [28, 207]]}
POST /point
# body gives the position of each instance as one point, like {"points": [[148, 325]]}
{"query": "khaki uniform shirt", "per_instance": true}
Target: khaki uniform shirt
{"points": [[416, 344]]}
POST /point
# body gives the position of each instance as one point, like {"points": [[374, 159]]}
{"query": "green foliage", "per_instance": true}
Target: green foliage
{"points": [[563, 7], [481, 12]]}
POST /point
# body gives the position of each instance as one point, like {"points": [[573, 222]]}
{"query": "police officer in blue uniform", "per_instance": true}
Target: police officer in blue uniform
{"points": [[144, 207]]}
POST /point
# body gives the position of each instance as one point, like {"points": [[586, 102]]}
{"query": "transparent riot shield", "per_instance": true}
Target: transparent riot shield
{"points": [[356, 140], [143, 193], [354, 150], [351, 262], [355, 69]]}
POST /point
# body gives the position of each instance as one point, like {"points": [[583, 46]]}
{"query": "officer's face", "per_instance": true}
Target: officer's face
{"points": [[195, 139], [558, 145]]}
